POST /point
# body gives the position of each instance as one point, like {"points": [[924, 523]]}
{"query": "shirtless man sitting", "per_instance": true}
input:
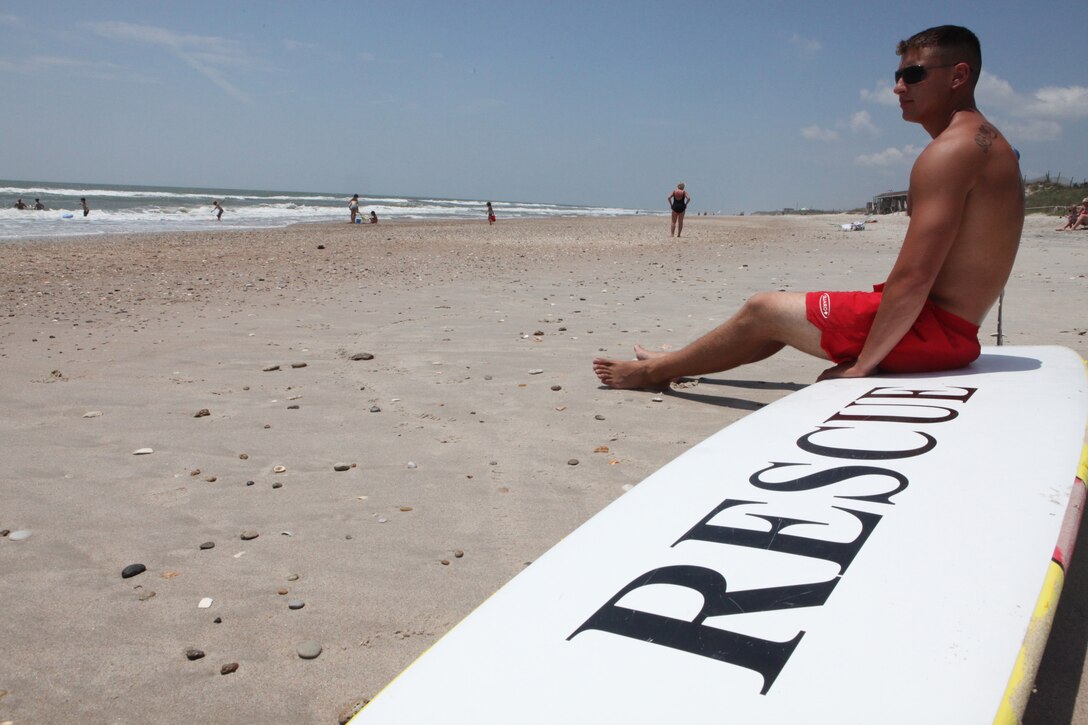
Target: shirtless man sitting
{"points": [[966, 207]]}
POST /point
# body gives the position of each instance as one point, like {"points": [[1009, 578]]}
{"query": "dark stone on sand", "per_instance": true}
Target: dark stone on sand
{"points": [[270, 368], [293, 407], [375, 409], [320, 246], [248, 535], [557, 387], [298, 365], [598, 417], [208, 545], [572, 462], [132, 570], [193, 654], [277, 484], [458, 554], [295, 604], [362, 356], [341, 467], [228, 668], [250, 483], [217, 620], [202, 413], [292, 577]]}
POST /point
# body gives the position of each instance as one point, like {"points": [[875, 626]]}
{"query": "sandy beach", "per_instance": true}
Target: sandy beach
{"points": [[445, 365]]}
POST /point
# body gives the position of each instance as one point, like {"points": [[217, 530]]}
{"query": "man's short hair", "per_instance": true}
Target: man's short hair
{"points": [[956, 44]]}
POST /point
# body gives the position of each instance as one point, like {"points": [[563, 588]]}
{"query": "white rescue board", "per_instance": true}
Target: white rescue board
{"points": [[860, 551]]}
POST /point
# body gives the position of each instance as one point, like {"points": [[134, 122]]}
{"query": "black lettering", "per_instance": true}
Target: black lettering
{"points": [[829, 477], [924, 394], [949, 414], [839, 552], [766, 657], [857, 453]]}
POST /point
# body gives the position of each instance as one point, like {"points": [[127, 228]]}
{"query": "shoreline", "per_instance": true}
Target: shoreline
{"points": [[150, 330]]}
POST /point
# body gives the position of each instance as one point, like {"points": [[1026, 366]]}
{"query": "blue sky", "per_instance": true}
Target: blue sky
{"points": [[755, 105]]}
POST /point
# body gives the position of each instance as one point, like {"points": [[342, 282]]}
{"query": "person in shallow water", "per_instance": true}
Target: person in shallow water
{"points": [[966, 207]]}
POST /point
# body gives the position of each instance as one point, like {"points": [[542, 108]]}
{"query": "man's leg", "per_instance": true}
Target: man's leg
{"points": [[765, 324]]}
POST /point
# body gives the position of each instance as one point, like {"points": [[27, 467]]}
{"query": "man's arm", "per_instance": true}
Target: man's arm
{"points": [[939, 183]]}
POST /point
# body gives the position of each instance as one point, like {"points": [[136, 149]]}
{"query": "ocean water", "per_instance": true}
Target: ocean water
{"points": [[143, 209]]}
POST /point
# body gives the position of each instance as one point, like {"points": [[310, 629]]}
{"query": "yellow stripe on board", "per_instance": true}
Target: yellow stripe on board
{"points": [[1082, 468], [1031, 652]]}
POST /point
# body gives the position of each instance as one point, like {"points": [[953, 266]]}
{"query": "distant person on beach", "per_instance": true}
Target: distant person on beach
{"points": [[490, 214], [966, 207], [678, 202], [83, 203], [373, 217], [1072, 213], [1082, 218], [218, 210], [39, 205], [353, 207], [20, 204]]}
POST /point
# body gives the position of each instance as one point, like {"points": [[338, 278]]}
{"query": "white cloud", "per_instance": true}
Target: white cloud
{"points": [[1032, 130], [207, 55], [862, 122], [296, 45], [7, 19], [890, 157], [1052, 102], [808, 46], [816, 133], [881, 93]]}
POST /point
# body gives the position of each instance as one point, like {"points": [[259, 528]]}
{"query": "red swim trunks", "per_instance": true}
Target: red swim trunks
{"points": [[938, 339]]}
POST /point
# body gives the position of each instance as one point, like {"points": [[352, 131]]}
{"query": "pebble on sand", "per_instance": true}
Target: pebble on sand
{"points": [[142, 451], [298, 365], [202, 413], [572, 462], [204, 603], [309, 649], [279, 469], [193, 654], [249, 535], [341, 467], [228, 668], [270, 368], [93, 414], [295, 604], [208, 545], [19, 535], [362, 356], [132, 570]]}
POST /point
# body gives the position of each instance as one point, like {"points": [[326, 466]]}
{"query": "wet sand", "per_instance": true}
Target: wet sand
{"points": [[458, 451]]}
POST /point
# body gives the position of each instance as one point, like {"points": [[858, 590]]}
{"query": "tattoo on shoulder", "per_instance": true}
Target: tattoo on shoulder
{"points": [[985, 136]]}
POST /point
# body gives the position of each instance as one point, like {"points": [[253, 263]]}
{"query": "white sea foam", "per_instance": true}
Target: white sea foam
{"points": [[119, 210]]}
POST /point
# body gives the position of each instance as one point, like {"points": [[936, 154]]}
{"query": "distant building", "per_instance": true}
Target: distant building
{"points": [[888, 203]]}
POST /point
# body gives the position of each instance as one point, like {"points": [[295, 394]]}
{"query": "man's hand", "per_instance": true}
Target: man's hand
{"points": [[848, 369]]}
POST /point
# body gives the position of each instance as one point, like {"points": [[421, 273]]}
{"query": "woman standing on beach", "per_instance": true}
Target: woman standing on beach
{"points": [[490, 214], [353, 207], [678, 201]]}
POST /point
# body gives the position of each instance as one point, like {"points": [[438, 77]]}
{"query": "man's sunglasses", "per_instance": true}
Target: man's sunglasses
{"points": [[917, 73]]}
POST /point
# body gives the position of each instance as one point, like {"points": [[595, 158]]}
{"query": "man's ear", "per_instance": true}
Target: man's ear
{"points": [[961, 75]]}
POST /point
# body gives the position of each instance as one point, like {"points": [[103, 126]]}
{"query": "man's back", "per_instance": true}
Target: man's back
{"points": [[981, 257]]}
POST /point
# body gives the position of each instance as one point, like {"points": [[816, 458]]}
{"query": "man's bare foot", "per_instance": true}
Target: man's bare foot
{"points": [[622, 374], [642, 353]]}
